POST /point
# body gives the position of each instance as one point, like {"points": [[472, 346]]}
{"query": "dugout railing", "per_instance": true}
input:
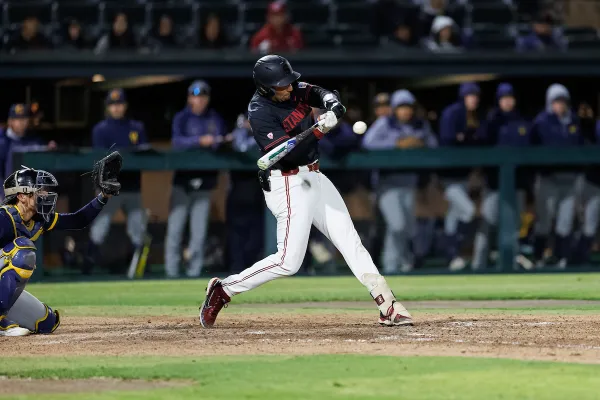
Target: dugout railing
{"points": [[505, 159]]}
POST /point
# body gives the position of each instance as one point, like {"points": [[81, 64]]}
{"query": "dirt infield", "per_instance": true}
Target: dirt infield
{"points": [[573, 338]]}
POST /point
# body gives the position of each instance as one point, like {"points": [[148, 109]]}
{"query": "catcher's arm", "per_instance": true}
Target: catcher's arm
{"points": [[105, 176]]}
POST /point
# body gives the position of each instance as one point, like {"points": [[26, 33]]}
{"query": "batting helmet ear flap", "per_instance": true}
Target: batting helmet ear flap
{"points": [[262, 89]]}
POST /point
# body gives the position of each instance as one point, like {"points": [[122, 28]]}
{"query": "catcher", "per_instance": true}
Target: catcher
{"points": [[28, 211]]}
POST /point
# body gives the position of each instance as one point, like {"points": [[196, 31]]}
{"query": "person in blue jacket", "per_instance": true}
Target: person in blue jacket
{"points": [[196, 126], [543, 36], [505, 127], [397, 188], [461, 124], [123, 133], [17, 138], [557, 186]]}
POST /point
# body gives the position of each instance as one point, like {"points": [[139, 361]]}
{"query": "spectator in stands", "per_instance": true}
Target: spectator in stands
{"points": [[245, 206], [461, 124], [543, 36], [278, 34], [118, 131], [431, 9], [403, 34], [505, 127], [17, 138], [381, 105], [558, 186], [212, 34], [29, 38], [164, 37], [443, 37], [73, 37], [194, 127], [388, 16], [119, 38], [397, 189]]}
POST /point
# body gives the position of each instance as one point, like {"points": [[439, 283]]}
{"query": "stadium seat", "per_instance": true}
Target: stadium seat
{"points": [[499, 14], [314, 39], [580, 31], [254, 16], [16, 13], [87, 14], [315, 14], [356, 40], [353, 14]]}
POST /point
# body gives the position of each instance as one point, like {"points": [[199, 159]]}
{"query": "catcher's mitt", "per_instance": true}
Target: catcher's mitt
{"points": [[106, 173]]}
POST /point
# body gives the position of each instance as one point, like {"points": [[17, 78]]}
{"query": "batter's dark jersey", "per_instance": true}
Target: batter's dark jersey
{"points": [[275, 122]]}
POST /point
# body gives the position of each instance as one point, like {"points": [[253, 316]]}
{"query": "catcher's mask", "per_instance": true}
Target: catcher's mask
{"points": [[39, 183]]}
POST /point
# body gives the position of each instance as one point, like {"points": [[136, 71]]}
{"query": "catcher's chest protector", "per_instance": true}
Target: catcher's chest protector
{"points": [[32, 230]]}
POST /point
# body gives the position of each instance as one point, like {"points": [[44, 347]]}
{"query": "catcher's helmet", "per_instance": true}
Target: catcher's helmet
{"points": [[32, 181], [271, 71]]}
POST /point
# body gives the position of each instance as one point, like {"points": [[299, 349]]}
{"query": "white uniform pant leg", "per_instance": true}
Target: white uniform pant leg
{"points": [[292, 200], [333, 220]]}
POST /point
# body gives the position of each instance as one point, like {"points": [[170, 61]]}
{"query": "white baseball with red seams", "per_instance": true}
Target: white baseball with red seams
{"points": [[299, 201]]}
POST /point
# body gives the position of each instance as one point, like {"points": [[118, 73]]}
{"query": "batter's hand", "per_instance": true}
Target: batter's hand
{"points": [[327, 121]]}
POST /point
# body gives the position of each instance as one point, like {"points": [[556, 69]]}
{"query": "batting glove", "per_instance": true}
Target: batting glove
{"points": [[327, 121]]}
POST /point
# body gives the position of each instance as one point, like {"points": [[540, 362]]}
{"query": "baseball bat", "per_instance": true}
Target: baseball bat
{"points": [[137, 267], [273, 156]]}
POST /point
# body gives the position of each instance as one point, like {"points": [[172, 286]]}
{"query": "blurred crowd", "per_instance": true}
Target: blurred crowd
{"points": [[557, 213], [280, 26]]}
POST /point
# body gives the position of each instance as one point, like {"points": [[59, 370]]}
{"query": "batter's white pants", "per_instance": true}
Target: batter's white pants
{"points": [[298, 201]]}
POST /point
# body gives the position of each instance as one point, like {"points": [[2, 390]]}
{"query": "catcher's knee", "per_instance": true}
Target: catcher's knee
{"points": [[18, 263]]}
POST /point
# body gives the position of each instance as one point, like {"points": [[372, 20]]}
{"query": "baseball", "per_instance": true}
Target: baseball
{"points": [[359, 127]]}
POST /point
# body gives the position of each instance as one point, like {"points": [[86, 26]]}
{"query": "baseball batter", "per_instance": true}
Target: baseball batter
{"points": [[298, 194]]}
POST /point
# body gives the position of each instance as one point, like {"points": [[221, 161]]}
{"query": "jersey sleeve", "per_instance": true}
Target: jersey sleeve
{"points": [[312, 95], [77, 220]]}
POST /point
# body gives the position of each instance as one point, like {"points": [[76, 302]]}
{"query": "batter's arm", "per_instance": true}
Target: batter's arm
{"points": [[318, 97]]}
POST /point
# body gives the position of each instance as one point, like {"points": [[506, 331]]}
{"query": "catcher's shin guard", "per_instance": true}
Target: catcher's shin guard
{"points": [[17, 265], [34, 315]]}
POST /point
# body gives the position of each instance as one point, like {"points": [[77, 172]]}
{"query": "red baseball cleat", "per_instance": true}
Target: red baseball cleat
{"points": [[216, 299], [397, 316]]}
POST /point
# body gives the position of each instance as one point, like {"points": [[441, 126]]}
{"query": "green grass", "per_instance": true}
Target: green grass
{"points": [[291, 290], [325, 377], [320, 376]]}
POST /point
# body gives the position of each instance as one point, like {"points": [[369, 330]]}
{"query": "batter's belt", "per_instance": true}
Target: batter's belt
{"points": [[303, 168]]}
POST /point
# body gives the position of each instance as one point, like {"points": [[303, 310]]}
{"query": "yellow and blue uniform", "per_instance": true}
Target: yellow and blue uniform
{"points": [[17, 261]]}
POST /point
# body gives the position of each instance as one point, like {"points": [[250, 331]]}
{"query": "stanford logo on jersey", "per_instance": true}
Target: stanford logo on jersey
{"points": [[296, 116], [270, 135]]}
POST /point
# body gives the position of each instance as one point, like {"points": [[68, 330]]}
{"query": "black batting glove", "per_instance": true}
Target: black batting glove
{"points": [[338, 108]]}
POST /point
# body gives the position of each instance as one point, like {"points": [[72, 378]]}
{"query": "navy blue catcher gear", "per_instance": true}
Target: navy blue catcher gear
{"points": [[273, 71], [17, 263]]}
